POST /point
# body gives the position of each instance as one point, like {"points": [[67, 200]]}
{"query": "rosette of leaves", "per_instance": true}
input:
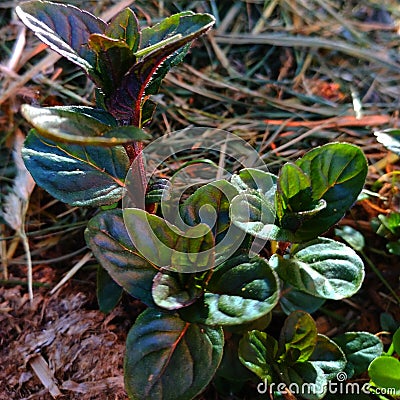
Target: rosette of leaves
{"points": [[239, 293]]}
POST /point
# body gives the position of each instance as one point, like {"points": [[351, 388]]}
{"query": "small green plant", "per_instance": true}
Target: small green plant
{"points": [[204, 292], [384, 370]]}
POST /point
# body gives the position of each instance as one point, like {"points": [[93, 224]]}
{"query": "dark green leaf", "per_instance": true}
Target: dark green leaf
{"points": [[76, 125], [210, 204], [323, 268], [328, 356], [77, 175], [300, 333], [293, 300], [384, 371], [309, 379], [108, 238], [240, 290], [293, 190], [337, 172], [231, 368], [258, 352], [125, 26], [65, 28], [170, 359], [108, 291], [259, 324], [127, 100], [173, 291], [166, 246], [114, 59], [388, 323], [390, 138], [353, 237], [394, 247], [360, 348]]}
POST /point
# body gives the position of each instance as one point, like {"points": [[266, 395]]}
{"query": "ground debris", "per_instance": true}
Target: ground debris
{"points": [[57, 348]]}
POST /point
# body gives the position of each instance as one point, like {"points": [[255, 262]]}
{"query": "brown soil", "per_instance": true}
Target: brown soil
{"points": [[62, 342]]}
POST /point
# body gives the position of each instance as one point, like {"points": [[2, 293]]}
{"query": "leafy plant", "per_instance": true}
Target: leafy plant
{"points": [[198, 286], [384, 370]]}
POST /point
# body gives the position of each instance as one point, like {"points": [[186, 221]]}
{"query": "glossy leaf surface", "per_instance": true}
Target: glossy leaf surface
{"points": [[298, 337], [384, 371], [173, 291], [360, 349], [80, 125], [166, 246], [240, 290], [107, 237], [258, 351], [108, 291], [328, 356], [65, 28], [77, 175], [323, 268], [170, 359]]}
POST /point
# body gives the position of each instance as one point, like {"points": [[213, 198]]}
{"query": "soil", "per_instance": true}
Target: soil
{"points": [[61, 341]]}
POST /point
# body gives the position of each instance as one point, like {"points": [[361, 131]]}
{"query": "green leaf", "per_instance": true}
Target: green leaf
{"points": [[396, 341], [384, 371], [298, 337], [258, 352], [173, 291], [77, 175], [114, 59], [126, 102], [388, 323], [254, 214], [293, 190], [337, 172], [323, 268], [125, 26], [65, 28], [353, 237], [328, 356], [166, 246], [108, 238], [169, 359], [293, 300], [249, 179], [108, 291], [360, 348], [258, 324], [241, 290], [309, 378], [70, 125], [210, 204], [390, 138], [312, 195]]}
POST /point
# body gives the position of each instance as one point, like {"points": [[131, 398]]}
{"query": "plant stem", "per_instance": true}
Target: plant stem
{"points": [[380, 276]]}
